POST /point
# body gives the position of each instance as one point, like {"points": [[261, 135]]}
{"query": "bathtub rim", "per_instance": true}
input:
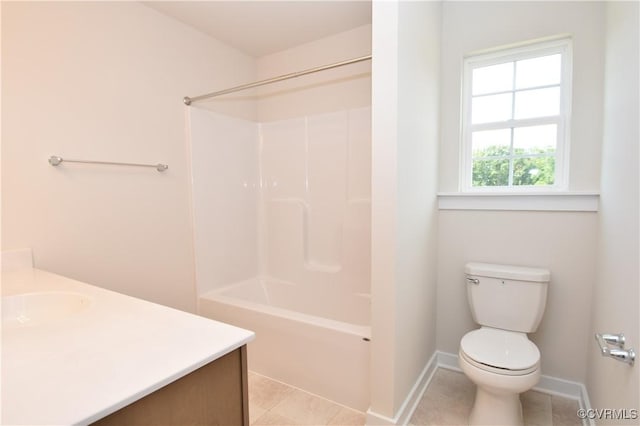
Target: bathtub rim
{"points": [[216, 295]]}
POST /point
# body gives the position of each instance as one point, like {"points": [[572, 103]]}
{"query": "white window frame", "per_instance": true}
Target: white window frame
{"points": [[562, 45]]}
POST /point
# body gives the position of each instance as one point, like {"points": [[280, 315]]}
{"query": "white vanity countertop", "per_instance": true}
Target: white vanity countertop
{"points": [[78, 369]]}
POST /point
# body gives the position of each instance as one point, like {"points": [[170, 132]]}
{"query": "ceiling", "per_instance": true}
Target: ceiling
{"points": [[260, 28]]}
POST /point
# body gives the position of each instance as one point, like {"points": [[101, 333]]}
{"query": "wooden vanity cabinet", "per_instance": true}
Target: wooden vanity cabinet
{"points": [[215, 394]]}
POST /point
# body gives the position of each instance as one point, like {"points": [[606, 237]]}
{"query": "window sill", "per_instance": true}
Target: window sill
{"points": [[539, 201]]}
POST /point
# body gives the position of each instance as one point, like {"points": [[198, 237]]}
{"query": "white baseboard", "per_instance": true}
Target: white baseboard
{"points": [[549, 385], [377, 419], [448, 361], [410, 403]]}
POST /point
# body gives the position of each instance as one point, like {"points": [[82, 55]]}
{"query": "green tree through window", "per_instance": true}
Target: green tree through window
{"points": [[535, 167]]}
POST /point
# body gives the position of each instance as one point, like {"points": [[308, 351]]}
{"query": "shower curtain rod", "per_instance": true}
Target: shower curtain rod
{"points": [[187, 100]]}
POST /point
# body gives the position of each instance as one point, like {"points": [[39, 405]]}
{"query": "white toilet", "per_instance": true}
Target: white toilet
{"points": [[507, 302]]}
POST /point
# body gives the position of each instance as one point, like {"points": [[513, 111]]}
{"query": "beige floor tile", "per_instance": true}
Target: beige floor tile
{"points": [[266, 393], [435, 409], [449, 398], [347, 417], [565, 411], [536, 408], [453, 384], [255, 411], [306, 409], [273, 419], [447, 401]]}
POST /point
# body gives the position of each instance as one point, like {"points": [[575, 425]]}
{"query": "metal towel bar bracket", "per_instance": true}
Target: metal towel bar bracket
{"points": [[55, 160], [606, 340]]}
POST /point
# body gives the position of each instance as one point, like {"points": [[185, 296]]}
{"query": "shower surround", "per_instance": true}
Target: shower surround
{"points": [[282, 242]]}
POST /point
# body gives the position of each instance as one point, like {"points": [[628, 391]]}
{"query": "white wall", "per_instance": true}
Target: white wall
{"points": [[104, 81], [338, 89], [617, 291], [406, 42], [563, 242]]}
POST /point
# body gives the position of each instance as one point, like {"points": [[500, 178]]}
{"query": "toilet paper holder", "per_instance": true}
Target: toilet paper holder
{"points": [[618, 352]]}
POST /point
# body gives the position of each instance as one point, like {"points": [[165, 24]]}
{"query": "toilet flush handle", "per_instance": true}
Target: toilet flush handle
{"points": [[473, 281]]}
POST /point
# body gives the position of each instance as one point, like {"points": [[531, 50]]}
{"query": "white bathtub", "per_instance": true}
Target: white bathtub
{"points": [[313, 339]]}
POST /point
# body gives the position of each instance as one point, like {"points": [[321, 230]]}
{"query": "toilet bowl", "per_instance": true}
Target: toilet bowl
{"points": [[502, 364], [507, 302]]}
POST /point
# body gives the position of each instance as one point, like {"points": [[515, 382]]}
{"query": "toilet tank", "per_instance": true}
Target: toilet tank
{"points": [[507, 297]]}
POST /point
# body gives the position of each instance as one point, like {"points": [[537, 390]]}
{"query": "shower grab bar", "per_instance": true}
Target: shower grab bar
{"points": [[187, 100], [55, 160]]}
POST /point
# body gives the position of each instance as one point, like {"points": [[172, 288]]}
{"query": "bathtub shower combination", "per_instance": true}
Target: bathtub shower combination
{"points": [[282, 241]]}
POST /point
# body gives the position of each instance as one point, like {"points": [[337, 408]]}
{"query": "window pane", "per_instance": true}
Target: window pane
{"points": [[490, 173], [537, 103], [534, 171], [487, 109], [535, 139], [492, 79], [541, 71], [488, 143]]}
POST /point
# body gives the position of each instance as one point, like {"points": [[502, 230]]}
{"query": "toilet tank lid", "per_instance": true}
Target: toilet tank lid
{"points": [[521, 273]]}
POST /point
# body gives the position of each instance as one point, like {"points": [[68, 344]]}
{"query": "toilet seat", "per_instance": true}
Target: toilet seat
{"points": [[500, 351]]}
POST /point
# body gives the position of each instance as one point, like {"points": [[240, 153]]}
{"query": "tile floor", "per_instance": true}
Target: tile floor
{"points": [[450, 394], [275, 403], [447, 401]]}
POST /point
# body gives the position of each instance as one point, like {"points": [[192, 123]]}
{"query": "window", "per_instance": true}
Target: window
{"points": [[515, 119]]}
